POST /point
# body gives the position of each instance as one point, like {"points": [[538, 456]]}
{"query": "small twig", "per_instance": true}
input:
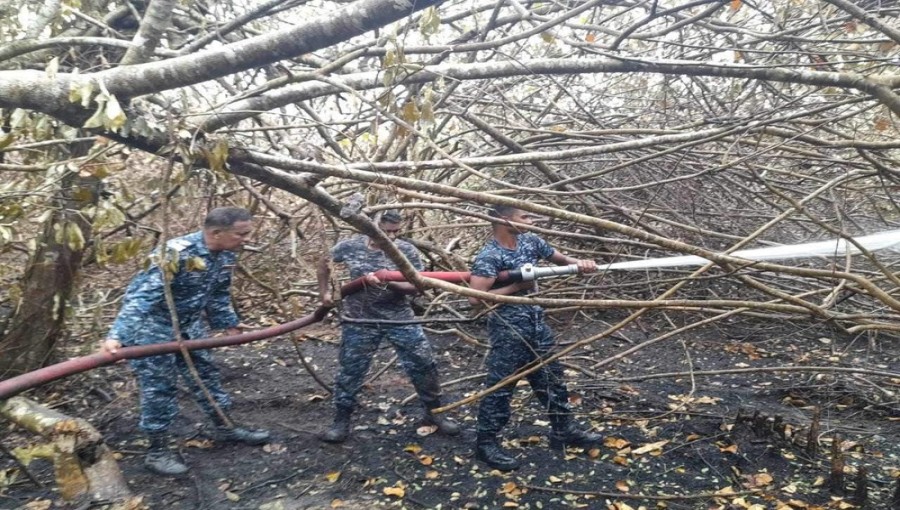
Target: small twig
{"points": [[270, 480], [382, 371], [309, 368]]}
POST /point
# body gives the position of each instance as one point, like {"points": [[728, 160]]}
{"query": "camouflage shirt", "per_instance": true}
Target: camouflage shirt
{"points": [[200, 287], [494, 258], [374, 302]]}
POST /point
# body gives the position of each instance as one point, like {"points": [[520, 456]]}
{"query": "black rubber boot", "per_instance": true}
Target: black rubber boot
{"points": [[339, 431], [161, 460], [233, 433], [489, 451], [444, 423], [254, 437], [571, 435]]}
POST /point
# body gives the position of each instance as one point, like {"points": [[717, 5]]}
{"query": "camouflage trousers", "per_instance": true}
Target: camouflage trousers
{"points": [[359, 342], [516, 342], [158, 378]]}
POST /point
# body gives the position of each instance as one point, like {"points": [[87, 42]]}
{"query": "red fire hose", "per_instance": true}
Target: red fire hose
{"points": [[15, 385]]}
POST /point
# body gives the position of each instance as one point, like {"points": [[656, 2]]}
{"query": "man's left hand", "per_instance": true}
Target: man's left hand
{"points": [[586, 266]]}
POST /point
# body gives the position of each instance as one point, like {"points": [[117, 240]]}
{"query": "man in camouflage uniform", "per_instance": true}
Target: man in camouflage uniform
{"points": [[519, 336], [199, 267], [367, 321]]}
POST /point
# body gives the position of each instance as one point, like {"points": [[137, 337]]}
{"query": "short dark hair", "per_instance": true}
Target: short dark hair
{"points": [[226, 217], [390, 216], [502, 211]]}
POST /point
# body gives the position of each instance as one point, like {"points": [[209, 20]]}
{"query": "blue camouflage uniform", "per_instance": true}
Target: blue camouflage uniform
{"points": [[201, 290], [518, 336], [360, 341]]}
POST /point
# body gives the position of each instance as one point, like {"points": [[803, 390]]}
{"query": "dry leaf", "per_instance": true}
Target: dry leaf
{"points": [[729, 449], [333, 476], [412, 448], [232, 496], [336, 503], [650, 447], [426, 460], [432, 474], [198, 443], [426, 430], [616, 443], [396, 491], [590, 38], [622, 485]]}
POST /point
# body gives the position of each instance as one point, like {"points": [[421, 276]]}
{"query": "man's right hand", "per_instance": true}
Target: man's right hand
{"points": [[111, 346], [327, 299]]}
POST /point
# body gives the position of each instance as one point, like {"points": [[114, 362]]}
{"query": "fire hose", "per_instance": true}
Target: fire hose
{"points": [[889, 240], [15, 385]]}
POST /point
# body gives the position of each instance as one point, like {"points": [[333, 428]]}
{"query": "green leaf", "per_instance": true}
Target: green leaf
{"points": [[96, 120], [218, 156], [115, 116], [430, 22]]}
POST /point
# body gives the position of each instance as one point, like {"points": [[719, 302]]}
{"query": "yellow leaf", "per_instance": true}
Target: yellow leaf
{"points": [[622, 485], [195, 264], [616, 443], [412, 448], [396, 491], [729, 449], [510, 504], [333, 476], [650, 447], [336, 503], [198, 443], [622, 461], [432, 474], [426, 460], [555, 479], [727, 491]]}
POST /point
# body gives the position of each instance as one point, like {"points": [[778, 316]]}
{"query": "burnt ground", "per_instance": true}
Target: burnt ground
{"points": [[670, 442]]}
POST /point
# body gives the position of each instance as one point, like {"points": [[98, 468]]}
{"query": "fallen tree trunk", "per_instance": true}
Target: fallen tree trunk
{"points": [[84, 466]]}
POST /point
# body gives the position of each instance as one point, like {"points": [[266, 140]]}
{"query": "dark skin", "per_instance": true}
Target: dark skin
{"points": [[506, 234], [323, 270]]}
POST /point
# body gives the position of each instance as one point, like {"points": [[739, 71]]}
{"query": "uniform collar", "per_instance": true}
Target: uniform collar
{"points": [[202, 249]]}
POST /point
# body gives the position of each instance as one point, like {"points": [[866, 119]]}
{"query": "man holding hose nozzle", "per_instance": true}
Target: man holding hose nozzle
{"points": [[367, 321], [519, 336], [198, 267]]}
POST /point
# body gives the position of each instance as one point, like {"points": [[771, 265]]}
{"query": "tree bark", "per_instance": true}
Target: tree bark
{"points": [[48, 283]]}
